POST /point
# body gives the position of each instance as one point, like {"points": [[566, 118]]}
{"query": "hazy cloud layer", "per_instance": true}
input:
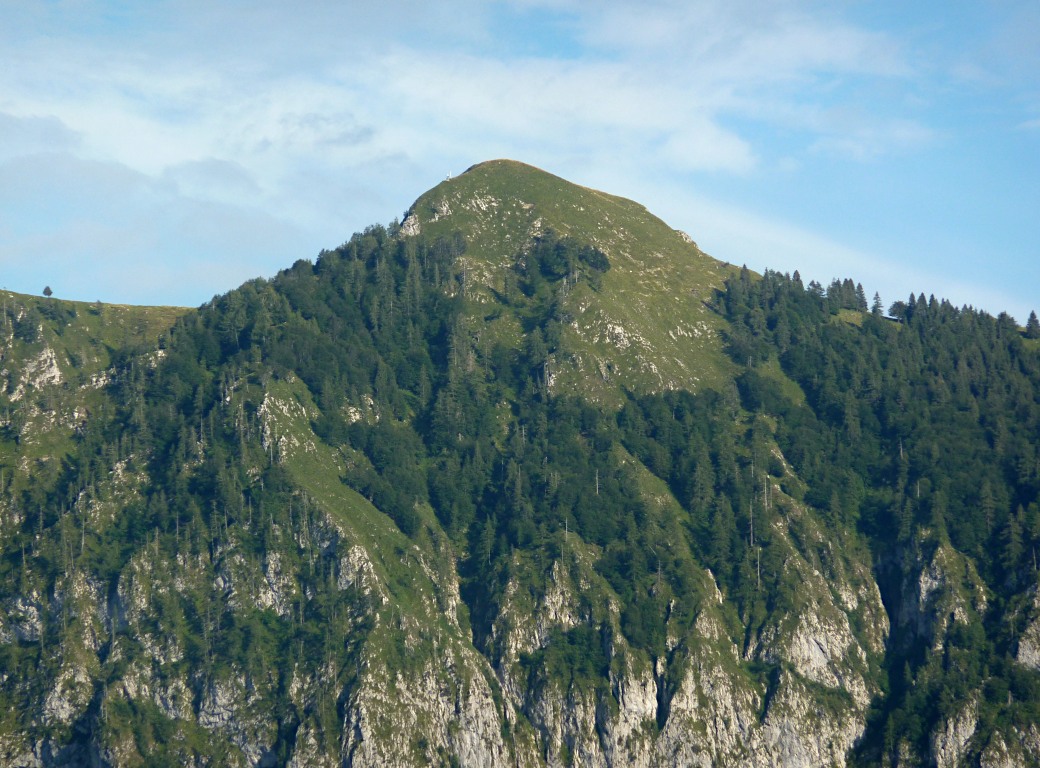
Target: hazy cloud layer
{"points": [[165, 152]]}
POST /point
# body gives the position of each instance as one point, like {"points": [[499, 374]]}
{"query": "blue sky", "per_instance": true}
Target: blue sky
{"points": [[164, 152]]}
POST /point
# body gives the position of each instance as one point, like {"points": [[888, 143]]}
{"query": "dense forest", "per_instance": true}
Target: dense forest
{"points": [[902, 431], [918, 428]]}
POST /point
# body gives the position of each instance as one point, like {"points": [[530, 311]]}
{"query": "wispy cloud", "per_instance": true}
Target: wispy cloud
{"points": [[745, 41], [137, 126], [867, 139], [663, 76]]}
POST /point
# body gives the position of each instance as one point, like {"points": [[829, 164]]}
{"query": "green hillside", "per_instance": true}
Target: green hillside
{"points": [[646, 326], [525, 480], [56, 359]]}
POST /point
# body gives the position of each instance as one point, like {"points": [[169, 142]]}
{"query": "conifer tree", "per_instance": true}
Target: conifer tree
{"points": [[1033, 326]]}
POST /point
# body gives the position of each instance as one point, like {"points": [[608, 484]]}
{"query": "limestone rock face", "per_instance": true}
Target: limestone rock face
{"points": [[695, 706], [1017, 749], [949, 744], [446, 708], [1028, 654], [941, 589], [421, 689]]}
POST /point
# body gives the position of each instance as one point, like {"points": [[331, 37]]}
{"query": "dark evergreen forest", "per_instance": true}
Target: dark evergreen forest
{"points": [[918, 428], [906, 429]]}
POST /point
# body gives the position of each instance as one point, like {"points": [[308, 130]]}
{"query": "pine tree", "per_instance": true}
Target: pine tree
{"points": [[723, 529], [938, 514], [1033, 326], [1011, 544]]}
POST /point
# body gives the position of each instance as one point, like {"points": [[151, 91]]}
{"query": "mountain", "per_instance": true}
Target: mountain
{"points": [[526, 479], [646, 326]]}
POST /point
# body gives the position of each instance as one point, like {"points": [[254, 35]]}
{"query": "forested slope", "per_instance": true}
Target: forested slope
{"points": [[365, 513], [919, 430]]}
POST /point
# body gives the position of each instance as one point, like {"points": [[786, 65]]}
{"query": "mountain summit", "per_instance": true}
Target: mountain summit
{"points": [[646, 325], [525, 480]]}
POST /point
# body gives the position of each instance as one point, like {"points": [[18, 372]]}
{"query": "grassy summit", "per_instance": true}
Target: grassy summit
{"points": [[646, 327]]}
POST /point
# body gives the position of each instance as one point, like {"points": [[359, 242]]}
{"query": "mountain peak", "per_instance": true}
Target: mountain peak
{"points": [[505, 164], [485, 186], [638, 328]]}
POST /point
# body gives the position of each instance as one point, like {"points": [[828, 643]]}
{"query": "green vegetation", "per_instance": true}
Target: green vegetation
{"points": [[644, 325], [917, 429], [527, 386]]}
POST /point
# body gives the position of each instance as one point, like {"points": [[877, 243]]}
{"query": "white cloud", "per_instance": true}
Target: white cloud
{"points": [[745, 42], [667, 76], [452, 100], [311, 121], [702, 145]]}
